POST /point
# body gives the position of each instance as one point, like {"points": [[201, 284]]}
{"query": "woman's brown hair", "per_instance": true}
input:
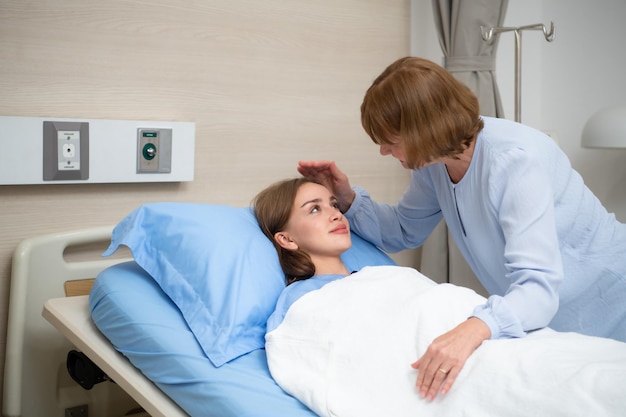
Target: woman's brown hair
{"points": [[423, 106], [272, 208]]}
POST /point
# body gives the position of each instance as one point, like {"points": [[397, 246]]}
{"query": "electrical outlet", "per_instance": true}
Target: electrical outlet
{"points": [[154, 150]]}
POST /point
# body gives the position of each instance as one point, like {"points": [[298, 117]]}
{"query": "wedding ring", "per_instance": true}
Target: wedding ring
{"points": [[443, 371]]}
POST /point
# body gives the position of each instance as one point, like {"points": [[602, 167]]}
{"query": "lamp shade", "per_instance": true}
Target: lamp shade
{"points": [[606, 129]]}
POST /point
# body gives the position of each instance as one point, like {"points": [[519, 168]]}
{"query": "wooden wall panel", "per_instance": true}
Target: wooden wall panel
{"points": [[267, 83]]}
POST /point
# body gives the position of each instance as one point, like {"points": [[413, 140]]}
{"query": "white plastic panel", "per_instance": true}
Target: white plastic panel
{"points": [[112, 151], [36, 381]]}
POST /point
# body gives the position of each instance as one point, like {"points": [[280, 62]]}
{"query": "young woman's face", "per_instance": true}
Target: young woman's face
{"points": [[316, 226]]}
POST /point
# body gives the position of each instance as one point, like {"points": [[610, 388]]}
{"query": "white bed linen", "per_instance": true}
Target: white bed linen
{"points": [[346, 349]]}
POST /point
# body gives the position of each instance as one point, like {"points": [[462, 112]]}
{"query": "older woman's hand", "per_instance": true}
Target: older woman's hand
{"points": [[332, 177], [446, 355]]}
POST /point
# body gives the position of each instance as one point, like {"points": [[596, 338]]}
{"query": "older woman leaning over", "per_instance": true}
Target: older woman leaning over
{"points": [[536, 237]]}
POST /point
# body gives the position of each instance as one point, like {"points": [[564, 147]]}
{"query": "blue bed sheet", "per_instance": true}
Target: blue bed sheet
{"points": [[142, 323]]}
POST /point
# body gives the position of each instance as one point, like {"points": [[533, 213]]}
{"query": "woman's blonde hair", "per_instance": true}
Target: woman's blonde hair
{"points": [[272, 208], [421, 104]]}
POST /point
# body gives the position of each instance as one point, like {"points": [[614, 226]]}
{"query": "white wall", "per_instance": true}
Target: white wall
{"points": [[583, 71], [563, 82]]}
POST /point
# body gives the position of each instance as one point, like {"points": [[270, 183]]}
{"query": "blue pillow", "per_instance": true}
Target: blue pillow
{"points": [[130, 309], [219, 269]]}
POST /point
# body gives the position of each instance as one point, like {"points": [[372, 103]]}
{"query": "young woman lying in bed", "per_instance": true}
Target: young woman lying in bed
{"points": [[343, 341], [190, 312]]}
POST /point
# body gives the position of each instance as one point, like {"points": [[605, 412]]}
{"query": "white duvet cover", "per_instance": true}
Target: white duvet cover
{"points": [[346, 349]]}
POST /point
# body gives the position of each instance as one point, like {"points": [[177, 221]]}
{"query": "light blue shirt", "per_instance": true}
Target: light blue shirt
{"points": [[293, 292], [536, 237]]}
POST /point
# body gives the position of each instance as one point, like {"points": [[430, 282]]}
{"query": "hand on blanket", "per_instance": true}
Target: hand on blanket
{"points": [[445, 357]]}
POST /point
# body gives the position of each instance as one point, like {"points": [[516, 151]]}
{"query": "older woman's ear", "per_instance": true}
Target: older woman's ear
{"points": [[284, 241]]}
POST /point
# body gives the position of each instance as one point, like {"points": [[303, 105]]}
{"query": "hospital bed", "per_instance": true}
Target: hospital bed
{"points": [[158, 355], [179, 329]]}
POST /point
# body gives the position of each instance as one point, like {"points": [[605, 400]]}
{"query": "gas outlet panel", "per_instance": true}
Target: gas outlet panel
{"points": [[69, 150], [65, 151], [154, 150]]}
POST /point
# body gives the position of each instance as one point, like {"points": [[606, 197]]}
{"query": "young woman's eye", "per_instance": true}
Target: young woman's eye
{"points": [[336, 205], [315, 209]]}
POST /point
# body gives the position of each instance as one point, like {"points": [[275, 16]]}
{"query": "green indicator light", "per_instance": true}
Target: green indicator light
{"points": [[149, 134]]}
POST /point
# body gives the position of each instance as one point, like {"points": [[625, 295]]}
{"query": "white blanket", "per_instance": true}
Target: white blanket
{"points": [[346, 349]]}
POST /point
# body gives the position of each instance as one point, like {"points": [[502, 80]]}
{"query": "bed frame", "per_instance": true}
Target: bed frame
{"points": [[36, 380], [70, 316]]}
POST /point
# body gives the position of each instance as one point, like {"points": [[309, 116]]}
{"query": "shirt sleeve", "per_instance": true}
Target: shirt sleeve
{"points": [[522, 196], [396, 227]]}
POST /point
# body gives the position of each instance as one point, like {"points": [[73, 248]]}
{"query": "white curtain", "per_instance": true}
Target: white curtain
{"points": [[472, 61]]}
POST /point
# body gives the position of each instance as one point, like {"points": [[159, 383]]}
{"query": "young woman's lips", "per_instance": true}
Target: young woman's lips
{"points": [[340, 229]]}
